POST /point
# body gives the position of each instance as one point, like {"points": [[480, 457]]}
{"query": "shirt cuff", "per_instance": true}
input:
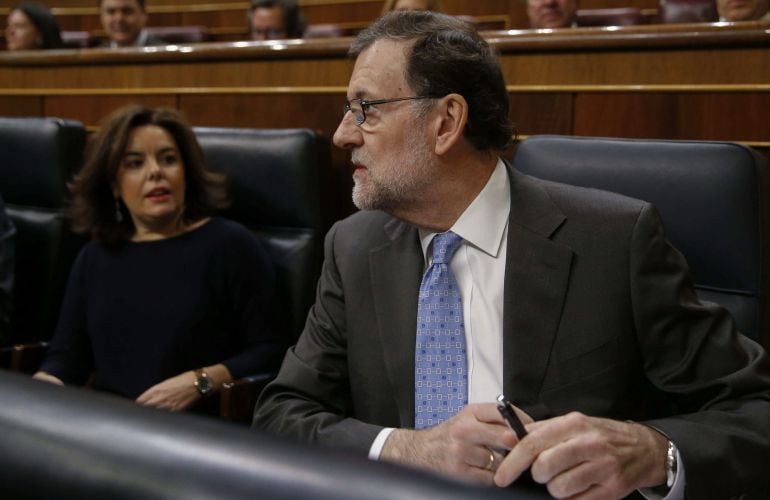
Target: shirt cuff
{"points": [[677, 489], [379, 442]]}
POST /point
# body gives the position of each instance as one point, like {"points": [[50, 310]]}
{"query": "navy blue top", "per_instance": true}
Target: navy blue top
{"points": [[152, 310]]}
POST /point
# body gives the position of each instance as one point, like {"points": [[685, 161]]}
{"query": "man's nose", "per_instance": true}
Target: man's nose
{"points": [[348, 134]]}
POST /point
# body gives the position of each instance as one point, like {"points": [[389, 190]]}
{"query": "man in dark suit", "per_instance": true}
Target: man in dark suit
{"points": [[123, 21], [571, 302]]}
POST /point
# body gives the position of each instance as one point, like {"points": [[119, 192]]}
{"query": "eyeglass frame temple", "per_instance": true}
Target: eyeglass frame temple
{"points": [[374, 102]]}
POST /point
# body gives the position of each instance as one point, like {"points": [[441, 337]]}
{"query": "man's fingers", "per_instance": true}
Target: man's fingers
{"points": [[565, 455], [484, 459], [542, 436], [573, 481], [478, 475], [486, 412]]}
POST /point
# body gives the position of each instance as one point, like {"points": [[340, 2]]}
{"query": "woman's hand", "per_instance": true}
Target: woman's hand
{"points": [[179, 392], [47, 377], [174, 394]]}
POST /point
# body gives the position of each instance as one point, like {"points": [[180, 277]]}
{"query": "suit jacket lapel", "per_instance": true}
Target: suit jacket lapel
{"points": [[536, 279], [396, 269]]}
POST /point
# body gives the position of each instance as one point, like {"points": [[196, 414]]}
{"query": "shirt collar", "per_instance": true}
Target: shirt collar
{"points": [[140, 41], [482, 224]]}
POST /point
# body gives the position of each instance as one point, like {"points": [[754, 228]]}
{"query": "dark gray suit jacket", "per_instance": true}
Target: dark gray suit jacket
{"points": [[599, 316]]}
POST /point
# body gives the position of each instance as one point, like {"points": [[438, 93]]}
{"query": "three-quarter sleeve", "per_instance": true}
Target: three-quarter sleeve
{"points": [[248, 282], [70, 356]]}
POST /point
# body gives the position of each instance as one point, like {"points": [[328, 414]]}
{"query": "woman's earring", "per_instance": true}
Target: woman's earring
{"points": [[118, 212]]}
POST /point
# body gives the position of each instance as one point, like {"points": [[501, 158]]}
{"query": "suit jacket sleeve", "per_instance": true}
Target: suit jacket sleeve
{"points": [[717, 380], [311, 399]]}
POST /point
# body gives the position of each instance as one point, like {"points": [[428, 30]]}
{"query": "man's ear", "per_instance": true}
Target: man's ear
{"points": [[453, 116]]}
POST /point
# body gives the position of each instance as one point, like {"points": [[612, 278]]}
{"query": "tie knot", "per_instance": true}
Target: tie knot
{"points": [[444, 246]]}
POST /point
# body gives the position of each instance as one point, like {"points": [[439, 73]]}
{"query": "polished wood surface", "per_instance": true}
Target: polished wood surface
{"points": [[676, 82]]}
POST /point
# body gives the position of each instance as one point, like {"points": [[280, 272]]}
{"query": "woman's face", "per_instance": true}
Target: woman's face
{"points": [[151, 182], [21, 34], [411, 5]]}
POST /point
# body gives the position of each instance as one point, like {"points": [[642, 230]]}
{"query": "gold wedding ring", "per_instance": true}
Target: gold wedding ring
{"points": [[491, 464]]}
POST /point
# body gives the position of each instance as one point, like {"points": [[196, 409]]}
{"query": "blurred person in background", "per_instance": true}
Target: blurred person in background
{"points": [[168, 302], [123, 22], [743, 10], [32, 26], [434, 5], [549, 14], [275, 20]]}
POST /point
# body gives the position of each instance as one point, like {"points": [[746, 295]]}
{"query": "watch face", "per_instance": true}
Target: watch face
{"points": [[203, 383]]}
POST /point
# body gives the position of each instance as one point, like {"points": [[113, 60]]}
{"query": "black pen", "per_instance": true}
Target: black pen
{"points": [[509, 414]]}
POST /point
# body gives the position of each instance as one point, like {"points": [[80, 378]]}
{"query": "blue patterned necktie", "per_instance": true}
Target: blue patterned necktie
{"points": [[441, 373]]}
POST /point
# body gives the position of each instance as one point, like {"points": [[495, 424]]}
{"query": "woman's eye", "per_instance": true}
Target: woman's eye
{"points": [[169, 160], [133, 164]]}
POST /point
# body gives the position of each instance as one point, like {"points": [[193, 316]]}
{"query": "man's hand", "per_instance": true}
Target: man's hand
{"points": [[459, 447], [175, 393], [578, 456]]}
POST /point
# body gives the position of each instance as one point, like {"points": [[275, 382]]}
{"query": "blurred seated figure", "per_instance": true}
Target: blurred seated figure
{"points": [[548, 14], [622, 16], [434, 5], [275, 20], [123, 22], [167, 303], [323, 30], [687, 11], [7, 252], [743, 10], [180, 34], [77, 39], [32, 26]]}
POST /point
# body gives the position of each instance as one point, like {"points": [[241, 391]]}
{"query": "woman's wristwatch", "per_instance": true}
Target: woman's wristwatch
{"points": [[203, 382]]}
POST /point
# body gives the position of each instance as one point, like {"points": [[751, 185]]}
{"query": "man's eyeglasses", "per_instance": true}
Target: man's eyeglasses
{"points": [[359, 106]]}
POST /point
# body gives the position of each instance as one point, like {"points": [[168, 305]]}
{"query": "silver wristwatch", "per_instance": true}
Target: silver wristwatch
{"points": [[671, 464]]}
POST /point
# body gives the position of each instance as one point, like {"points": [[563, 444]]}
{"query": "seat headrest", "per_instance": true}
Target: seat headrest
{"points": [[40, 155], [273, 174], [708, 193]]}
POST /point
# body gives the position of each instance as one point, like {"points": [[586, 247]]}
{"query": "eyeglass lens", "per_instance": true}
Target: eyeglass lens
{"points": [[357, 110]]}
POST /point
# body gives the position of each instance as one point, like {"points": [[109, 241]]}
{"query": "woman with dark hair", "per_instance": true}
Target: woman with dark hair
{"points": [[32, 26], [167, 303]]}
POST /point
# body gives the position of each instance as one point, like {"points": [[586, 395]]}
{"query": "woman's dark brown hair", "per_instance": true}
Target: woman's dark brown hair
{"points": [[93, 205]]}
